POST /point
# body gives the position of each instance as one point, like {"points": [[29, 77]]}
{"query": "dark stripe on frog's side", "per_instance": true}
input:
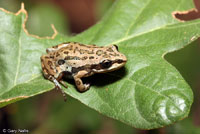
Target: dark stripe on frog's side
{"points": [[89, 68], [67, 74], [76, 70]]}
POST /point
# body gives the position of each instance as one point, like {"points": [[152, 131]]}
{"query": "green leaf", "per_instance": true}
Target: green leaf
{"points": [[147, 93]]}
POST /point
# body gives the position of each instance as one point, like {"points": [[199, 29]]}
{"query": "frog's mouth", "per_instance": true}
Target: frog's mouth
{"points": [[116, 65], [108, 66]]}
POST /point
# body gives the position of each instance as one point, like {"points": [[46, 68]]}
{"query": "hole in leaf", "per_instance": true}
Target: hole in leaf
{"points": [[188, 15]]}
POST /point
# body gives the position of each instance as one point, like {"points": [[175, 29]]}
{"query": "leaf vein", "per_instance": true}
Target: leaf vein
{"points": [[169, 26], [139, 14], [19, 56]]}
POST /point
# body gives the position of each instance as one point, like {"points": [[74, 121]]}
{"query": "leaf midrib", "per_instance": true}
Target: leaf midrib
{"points": [[135, 20], [168, 26], [19, 55]]}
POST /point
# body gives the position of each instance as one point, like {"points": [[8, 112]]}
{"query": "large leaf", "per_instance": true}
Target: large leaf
{"points": [[147, 93]]}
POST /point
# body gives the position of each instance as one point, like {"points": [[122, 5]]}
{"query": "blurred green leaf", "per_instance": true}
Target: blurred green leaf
{"points": [[148, 93], [41, 18], [187, 62], [102, 7], [10, 5], [184, 127]]}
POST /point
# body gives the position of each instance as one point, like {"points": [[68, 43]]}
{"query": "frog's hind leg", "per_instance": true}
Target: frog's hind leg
{"points": [[79, 83]]}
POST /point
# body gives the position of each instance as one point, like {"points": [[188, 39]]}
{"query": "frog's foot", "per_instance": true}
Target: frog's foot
{"points": [[87, 86], [79, 83], [80, 86]]}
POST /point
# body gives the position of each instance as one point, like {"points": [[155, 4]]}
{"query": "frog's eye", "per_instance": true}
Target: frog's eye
{"points": [[106, 64], [61, 61], [116, 47]]}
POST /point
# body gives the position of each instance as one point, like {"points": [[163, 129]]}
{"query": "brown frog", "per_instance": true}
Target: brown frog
{"points": [[74, 60]]}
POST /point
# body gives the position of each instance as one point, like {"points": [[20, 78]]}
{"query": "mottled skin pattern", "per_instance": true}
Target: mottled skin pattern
{"points": [[75, 60]]}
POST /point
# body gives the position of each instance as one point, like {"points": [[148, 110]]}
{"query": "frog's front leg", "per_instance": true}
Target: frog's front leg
{"points": [[58, 86], [79, 83]]}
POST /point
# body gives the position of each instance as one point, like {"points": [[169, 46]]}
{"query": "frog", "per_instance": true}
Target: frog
{"points": [[74, 60]]}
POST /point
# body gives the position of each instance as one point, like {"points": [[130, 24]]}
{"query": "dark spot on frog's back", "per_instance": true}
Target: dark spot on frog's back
{"points": [[72, 58], [51, 56], [50, 63], [46, 57], [106, 56], [76, 49], [109, 50], [99, 52], [66, 52], [75, 42], [84, 58], [55, 46], [91, 57], [81, 51], [57, 54], [41, 59], [70, 47], [81, 44], [114, 54]]}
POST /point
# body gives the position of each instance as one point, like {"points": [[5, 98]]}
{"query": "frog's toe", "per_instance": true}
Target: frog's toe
{"points": [[87, 86]]}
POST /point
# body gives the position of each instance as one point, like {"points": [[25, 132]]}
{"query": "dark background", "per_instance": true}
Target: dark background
{"points": [[48, 113]]}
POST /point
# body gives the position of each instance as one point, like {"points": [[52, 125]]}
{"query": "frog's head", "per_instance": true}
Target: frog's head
{"points": [[111, 60]]}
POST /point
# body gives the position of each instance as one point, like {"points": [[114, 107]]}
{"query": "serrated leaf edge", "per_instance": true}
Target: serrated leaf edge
{"points": [[23, 10]]}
